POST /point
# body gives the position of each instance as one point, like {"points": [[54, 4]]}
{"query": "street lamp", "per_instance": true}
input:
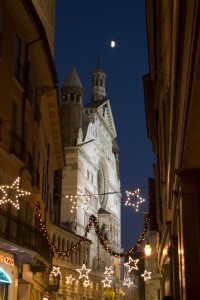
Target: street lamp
{"points": [[147, 249]]}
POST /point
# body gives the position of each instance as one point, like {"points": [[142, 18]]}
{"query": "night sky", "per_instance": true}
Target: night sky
{"points": [[84, 28]]}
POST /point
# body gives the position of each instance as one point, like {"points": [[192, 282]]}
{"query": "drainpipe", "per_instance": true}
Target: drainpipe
{"points": [[173, 91]]}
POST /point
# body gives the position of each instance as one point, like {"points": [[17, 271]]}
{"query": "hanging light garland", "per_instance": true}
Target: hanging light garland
{"points": [[92, 221]]}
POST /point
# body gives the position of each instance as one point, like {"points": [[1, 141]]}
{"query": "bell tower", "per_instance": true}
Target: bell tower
{"points": [[72, 108], [98, 83]]}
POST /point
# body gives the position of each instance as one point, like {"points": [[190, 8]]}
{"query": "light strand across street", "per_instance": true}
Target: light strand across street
{"points": [[92, 221]]}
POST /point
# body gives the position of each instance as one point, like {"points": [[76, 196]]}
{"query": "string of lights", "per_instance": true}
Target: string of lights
{"points": [[92, 221], [12, 193]]}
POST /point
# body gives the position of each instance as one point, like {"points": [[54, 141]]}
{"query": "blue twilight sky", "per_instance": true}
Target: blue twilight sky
{"points": [[84, 28]]}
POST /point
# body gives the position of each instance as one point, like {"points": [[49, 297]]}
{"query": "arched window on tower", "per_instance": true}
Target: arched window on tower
{"points": [[71, 97], [97, 82]]}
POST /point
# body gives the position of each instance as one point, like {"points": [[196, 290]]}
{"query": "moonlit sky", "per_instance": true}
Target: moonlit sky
{"points": [[84, 28]]}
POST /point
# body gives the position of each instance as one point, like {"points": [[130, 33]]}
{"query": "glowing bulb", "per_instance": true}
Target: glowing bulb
{"points": [[147, 249]]}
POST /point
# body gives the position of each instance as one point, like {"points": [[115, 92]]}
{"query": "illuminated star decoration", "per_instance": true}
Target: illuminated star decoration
{"points": [[106, 282], [146, 275], [86, 283], [134, 195], [69, 279], [109, 271], [56, 271], [11, 193], [83, 272], [132, 264], [127, 282]]}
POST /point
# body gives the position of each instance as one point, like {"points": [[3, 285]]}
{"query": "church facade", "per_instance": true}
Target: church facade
{"points": [[90, 178]]}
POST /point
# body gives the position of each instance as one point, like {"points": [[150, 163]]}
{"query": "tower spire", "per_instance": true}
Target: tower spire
{"points": [[98, 61], [98, 82]]}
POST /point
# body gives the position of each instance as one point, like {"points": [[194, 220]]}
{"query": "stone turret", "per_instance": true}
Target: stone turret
{"points": [[98, 83], [72, 108]]}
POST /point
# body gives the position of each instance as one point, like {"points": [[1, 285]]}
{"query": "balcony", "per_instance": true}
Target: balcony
{"points": [[22, 234]]}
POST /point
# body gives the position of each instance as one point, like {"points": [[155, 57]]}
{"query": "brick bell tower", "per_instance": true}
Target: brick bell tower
{"points": [[71, 109]]}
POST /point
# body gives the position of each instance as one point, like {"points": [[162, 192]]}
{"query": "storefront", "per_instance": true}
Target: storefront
{"points": [[7, 275]]}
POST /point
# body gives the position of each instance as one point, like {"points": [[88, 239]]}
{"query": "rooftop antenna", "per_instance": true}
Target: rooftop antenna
{"points": [[98, 60]]}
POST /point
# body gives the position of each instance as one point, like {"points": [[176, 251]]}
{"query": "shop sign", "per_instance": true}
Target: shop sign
{"points": [[6, 260]]}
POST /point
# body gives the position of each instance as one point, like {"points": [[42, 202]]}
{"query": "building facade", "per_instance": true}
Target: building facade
{"points": [[172, 108], [90, 178], [30, 151]]}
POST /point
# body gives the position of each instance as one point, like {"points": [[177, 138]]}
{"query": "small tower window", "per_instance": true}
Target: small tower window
{"points": [[97, 81], [71, 97], [101, 82]]}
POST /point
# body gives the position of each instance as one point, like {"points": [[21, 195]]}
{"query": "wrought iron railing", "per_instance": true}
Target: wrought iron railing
{"points": [[23, 234]]}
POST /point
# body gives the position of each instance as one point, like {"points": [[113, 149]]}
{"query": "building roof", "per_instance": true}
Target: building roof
{"points": [[95, 104], [72, 79]]}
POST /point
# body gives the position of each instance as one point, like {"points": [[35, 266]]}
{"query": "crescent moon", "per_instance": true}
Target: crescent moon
{"points": [[112, 44]]}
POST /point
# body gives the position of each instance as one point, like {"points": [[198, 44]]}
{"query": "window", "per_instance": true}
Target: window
{"points": [[31, 86], [17, 145], [19, 59], [15, 118]]}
